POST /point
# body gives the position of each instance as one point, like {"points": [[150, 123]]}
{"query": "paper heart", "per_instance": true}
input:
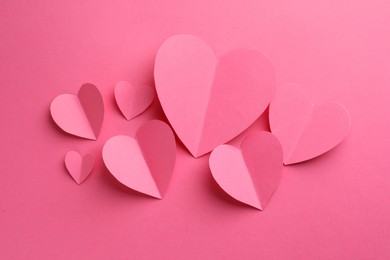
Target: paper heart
{"points": [[79, 167], [305, 130], [250, 174], [80, 115], [132, 100], [144, 163], [209, 101]]}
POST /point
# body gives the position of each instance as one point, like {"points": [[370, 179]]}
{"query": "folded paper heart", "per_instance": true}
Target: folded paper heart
{"points": [[80, 115], [209, 101], [251, 173], [132, 100], [305, 130], [79, 167], [144, 163]]}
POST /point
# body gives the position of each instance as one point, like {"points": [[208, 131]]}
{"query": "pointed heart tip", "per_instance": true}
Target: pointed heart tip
{"points": [[95, 137], [128, 118], [195, 155], [198, 153], [289, 161], [257, 206], [253, 205], [155, 195]]}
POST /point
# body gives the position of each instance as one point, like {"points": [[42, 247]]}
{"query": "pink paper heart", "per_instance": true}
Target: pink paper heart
{"points": [[80, 115], [305, 130], [209, 101], [132, 100], [79, 167], [250, 174], [144, 163]]}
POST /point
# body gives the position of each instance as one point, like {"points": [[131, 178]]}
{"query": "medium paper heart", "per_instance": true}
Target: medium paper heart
{"points": [[250, 174], [132, 100], [209, 101], [79, 167], [80, 115], [305, 130], [144, 163]]}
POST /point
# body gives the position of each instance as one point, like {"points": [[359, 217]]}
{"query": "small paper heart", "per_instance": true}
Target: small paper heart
{"points": [[306, 130], [78, 166], [251, 173], [80, 115], [145, 162], [132, 100]]}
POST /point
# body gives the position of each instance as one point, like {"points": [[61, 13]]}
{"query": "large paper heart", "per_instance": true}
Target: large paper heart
{"points": [[208, 101], [250, 174], [80, 115], [79, 167], [144, 163], [132, 100], [305, 130]]}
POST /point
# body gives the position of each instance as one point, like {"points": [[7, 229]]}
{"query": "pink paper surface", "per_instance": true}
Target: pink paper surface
{"points": [[250, 173], [209, 101], [335, 206]]}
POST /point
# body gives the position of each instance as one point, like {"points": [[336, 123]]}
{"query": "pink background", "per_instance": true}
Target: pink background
{"points": [[332, 207]]}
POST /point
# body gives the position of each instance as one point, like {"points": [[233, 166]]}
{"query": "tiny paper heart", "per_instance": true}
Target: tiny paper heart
{"points": [[144, 163], [250, 174], [132, 100], [305, 130], [80, 115], [207, 100], [79, 167]]}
